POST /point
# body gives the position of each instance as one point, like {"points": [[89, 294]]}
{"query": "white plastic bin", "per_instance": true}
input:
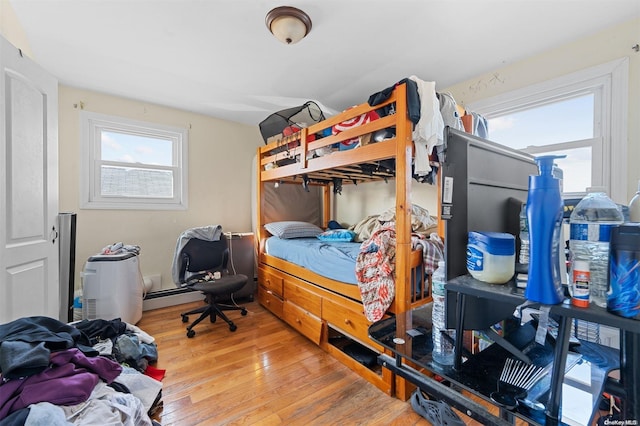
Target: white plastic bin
{"points": [[112, 288]]}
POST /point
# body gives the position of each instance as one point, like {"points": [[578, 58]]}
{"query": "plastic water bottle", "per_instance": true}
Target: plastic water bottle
{"points": [[634, 206], [524, 237], [590, 227], [442, 347]]}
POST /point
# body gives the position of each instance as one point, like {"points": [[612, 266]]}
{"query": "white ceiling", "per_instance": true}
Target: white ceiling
{"points": [[216, 57]]}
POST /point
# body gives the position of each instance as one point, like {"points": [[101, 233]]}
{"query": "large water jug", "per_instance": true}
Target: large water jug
{"points": [[590, 233]]}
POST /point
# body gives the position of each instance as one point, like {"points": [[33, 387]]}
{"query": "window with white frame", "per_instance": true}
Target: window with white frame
{"points": [[581, 115], [129, 164]]}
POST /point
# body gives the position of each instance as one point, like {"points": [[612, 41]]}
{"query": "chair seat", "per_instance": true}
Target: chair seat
{"points": [[222, 286]]}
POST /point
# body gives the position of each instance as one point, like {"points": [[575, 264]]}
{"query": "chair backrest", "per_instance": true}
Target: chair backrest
{"points": [[201, 255]]}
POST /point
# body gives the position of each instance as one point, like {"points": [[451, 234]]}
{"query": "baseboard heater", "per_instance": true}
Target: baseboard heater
{"points": [[165, 293]]}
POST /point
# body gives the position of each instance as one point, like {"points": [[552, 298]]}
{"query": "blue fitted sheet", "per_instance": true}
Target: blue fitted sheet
{"points": [[335, 260]]}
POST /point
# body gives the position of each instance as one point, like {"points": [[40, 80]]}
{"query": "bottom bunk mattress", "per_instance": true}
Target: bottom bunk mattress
{"points": [[331, 259]]}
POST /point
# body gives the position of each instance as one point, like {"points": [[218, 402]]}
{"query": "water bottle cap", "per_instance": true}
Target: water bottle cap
{"points": [[545, 163], [592, 189]]}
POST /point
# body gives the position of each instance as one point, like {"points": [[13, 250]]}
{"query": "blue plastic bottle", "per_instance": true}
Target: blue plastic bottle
{"points": [[544, 215]]}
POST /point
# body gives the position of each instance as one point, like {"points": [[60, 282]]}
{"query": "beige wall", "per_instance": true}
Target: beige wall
{"points": [[220, 166], [606, 46], [12, 30], [614, 43], [357, 202]]}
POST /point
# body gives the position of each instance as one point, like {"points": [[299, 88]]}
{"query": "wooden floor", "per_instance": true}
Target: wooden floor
{"points": [[264, 373]]}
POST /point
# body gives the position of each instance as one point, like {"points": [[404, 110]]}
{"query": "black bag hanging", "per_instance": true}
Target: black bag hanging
{"points": [[309, 113]]}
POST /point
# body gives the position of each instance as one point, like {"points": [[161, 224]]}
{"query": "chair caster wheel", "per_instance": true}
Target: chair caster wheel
{"points": [[233, 327], [243, 312], [190, 333], [185, 318]]}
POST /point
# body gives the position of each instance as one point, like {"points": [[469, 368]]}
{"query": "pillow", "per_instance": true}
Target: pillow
{"points": [[292, 229], [342, 235]]}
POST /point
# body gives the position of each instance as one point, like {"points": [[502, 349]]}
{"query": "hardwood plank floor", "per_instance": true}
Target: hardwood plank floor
{"points": [[264, 373]]}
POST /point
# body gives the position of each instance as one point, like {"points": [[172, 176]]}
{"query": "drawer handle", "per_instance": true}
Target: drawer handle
{"points": [[298, 321], [268, 302], [347, 321]]}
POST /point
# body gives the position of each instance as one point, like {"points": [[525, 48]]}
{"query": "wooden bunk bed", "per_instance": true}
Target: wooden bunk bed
{"points": [[329, 312]]}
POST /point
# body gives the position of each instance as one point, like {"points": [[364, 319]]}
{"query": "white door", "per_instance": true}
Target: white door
{"points": [[28, 187]]}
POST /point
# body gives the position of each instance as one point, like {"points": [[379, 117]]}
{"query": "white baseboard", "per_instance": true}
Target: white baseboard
{"points": [[175, 299]]}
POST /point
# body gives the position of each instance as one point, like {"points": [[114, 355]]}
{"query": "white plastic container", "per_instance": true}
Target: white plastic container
{"points": [[112, 288], [580, 280], [491, 256]]}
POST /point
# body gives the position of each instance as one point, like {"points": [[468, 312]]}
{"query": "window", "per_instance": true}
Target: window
{"points": [[128, 164], [582, 116]]}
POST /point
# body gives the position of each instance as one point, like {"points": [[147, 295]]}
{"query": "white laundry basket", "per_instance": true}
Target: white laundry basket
{"points": [[112, 288]]}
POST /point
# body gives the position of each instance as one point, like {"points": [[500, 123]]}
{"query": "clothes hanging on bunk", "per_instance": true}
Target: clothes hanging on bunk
{"points": [[449, 111], [432, 251], [376, 265], [375, 270], [413, 100], [480, 125], [428, 132]]}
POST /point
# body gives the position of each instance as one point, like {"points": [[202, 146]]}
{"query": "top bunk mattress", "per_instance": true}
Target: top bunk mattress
{"points": [[334, 260]]}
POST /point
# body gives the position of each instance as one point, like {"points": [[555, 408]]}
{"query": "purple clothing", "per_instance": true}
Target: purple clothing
{"points": [[69, 380]]}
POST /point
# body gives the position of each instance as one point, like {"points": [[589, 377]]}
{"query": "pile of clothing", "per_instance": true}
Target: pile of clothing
{"points": [[86, 373]]}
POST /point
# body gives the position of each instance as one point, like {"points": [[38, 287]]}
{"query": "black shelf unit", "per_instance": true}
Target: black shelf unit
{"points": [[405, 337]]}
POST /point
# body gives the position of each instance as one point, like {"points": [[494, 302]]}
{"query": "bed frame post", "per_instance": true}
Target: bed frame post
{"points": [[404, 151], [403, 201], [257, 236], [327, 208]]}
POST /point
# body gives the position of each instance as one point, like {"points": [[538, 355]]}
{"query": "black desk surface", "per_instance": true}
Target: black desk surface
{"points": [[480, 373], [510, 293]]}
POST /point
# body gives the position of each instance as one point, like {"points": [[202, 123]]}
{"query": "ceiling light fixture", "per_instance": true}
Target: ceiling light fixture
{"points": [[288, 24]]}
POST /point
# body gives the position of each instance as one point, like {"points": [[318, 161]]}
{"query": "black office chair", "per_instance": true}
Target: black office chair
{"points": [[200, 263]]}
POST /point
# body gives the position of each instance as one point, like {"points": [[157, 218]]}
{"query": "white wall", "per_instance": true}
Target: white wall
{"points": [[606, 46], [220, 162], [358, 202], [613, 43]]}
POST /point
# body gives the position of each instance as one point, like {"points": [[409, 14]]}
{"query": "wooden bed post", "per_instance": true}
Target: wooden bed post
{"points": [[257, 236], [403, 201], [404, 153], [327, 208]]}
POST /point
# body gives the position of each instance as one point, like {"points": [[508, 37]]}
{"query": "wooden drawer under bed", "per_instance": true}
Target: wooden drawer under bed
{"points": [[271, 281], [303, 321], [349, 318], [270, 301], [302, 297]]}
